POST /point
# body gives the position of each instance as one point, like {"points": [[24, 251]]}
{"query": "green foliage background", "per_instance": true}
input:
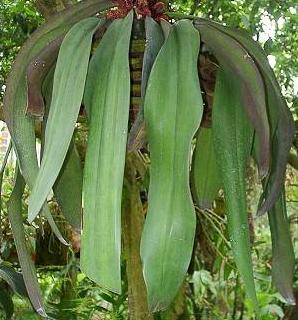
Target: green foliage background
{"points": [[18, 19]]}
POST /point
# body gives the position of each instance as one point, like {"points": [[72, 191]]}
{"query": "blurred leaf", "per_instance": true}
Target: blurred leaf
{"points": [[14, 279], [272, 309]]}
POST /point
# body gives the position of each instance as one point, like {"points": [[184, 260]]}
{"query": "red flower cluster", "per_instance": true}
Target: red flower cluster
{"points": [[151, 8]]}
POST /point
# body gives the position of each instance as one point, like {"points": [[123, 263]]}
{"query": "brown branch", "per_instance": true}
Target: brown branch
{"points": [[49, 7]]}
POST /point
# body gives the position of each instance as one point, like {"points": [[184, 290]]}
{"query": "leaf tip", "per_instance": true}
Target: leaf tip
{"points": [[42, 312]]}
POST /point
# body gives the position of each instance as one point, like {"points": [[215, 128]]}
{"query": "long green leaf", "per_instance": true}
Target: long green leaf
{"points": [[173, 111], [232, 142], [154, 41], [205, 175], [283, 257], [14, 210], [105, 157], [235, 59], [70, 178], [279, 115], [68, 88], [20, 125]]}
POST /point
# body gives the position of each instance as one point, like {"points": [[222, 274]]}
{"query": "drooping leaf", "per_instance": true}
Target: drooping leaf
{"points": [[154, 41], [21, 126], [70, 178], [281, 144], [232, 142], [14, 279], [236, 60], [205, 175], [14, 210], [283, 257], [105, 156], [279, 116], [68, 88], [23, 139], [173, 111]]}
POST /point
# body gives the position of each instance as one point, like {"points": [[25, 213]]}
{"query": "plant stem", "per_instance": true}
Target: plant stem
{"points": [[133, 221]]}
